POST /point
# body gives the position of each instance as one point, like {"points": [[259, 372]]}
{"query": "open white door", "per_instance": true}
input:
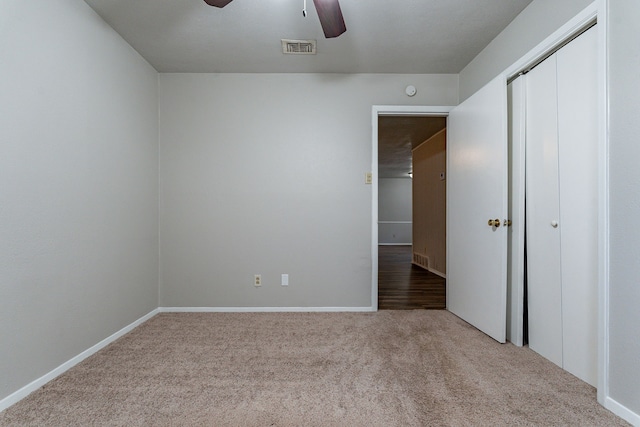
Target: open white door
{"points": [[477, 195]]}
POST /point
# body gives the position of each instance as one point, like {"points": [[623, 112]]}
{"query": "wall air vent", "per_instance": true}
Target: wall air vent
{"points": [[421, 260], [298, 47]]}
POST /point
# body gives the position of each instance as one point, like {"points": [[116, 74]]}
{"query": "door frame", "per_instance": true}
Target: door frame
{"points": [[595, 11], [377, 111]]}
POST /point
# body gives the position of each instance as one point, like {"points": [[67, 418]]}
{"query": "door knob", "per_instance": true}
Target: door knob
{"points": [[494, 222], [507, 223], [554, 224]]}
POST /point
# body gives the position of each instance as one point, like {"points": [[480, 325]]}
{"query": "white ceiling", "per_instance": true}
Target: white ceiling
{"points": [[383, 36], [398, 36]]}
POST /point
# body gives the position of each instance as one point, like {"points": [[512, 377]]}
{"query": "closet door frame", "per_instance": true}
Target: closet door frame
{"points": [[596, 11]]}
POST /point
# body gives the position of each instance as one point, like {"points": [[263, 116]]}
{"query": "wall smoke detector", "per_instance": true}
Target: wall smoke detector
{"points": [[298, 47]]}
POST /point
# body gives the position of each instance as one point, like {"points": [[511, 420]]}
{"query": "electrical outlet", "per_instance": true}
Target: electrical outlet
{"points": [[368, 178], [257, 280], [285, 280]]}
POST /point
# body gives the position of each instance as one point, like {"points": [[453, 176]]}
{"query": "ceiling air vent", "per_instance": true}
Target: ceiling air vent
{"points": [[298, 47]]}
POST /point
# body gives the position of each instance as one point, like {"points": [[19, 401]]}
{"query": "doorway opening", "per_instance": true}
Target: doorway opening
{"points": [[411, 208]]}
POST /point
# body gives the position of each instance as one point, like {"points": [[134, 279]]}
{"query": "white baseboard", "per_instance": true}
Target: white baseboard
{"points": [[263, 309], [437, 273], [36, 384], [622, 411], [425, 265]]}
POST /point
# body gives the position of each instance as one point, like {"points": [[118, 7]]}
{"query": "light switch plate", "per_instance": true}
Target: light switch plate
{"points": [[368, 178]]}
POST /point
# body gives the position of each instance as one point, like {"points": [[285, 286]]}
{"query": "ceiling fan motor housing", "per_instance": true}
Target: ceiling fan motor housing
{"points": [[329, 13]]}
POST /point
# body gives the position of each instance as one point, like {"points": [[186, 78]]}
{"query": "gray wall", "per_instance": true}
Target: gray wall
{"points": [[394, 204], [78, 174], [535, 23], [624, 206], [264, 174], [78, 186]]}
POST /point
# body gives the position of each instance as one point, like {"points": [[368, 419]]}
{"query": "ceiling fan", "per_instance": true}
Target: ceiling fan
{"points": [[329, 13]]}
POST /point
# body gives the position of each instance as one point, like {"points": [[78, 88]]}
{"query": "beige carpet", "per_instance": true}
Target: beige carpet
{"points": [[391, 368]]}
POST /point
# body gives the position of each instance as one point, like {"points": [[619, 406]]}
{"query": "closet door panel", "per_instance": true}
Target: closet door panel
{"points": [[542, 213], [578, 164], [515, 242]]}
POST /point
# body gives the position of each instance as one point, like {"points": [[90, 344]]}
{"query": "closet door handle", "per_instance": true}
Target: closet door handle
{"points": [[494, 222], [554, 224]]}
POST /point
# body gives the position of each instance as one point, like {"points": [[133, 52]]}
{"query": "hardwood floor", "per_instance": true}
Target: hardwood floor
{"points": [[403, 286]]}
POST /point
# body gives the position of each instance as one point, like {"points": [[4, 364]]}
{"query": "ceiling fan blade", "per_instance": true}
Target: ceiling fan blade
{"points": [[331, 18], [218, 3]]}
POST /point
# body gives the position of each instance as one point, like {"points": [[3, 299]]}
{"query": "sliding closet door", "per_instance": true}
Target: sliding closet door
{"points": [[543, 213], [562, 207], [578, 160]]}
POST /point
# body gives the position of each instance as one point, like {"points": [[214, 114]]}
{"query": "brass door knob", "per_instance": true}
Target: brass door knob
{"points": [[494, 222], [507, 223]]}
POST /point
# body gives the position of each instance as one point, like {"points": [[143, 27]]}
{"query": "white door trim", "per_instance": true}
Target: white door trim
{"points": [[388, 110], [573, 27], [603, 213]]}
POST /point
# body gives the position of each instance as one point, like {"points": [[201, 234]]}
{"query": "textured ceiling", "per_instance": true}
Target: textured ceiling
{"points": [[399, 36], [397, 136]]}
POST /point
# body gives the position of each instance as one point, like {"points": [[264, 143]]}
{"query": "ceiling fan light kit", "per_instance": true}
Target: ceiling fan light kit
{"points": [[329, 13]]}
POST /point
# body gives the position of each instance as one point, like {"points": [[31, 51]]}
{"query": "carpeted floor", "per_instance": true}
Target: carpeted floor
{"points": [[391, 368]]}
